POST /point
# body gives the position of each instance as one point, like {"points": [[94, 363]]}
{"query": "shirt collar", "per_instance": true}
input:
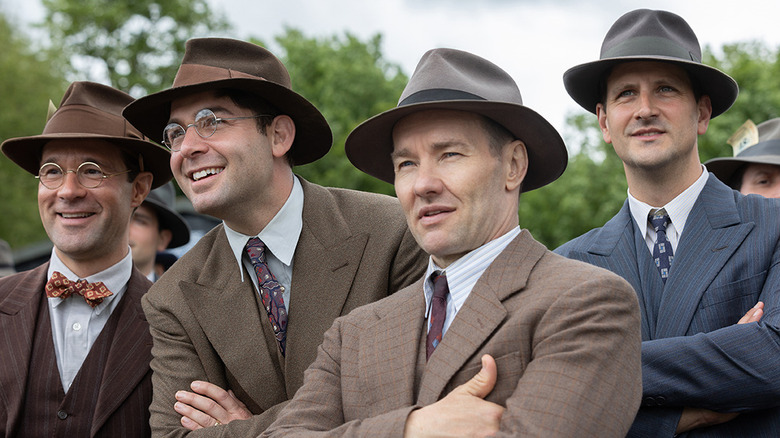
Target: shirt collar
{"points": [[280, 236], [678, 208], [115, 278]]}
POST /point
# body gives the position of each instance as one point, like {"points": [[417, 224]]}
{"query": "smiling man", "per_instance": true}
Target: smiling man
{"points": [[500, 337], [75, 346], [703, 259], [238, 319]]}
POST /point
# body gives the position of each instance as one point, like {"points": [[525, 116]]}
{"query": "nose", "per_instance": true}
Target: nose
{"points": [[192, 143], [647, 107], [427, 181], [70, 188]]}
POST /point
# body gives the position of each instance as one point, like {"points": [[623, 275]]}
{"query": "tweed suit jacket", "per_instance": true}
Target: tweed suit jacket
{"points": [[693, 353], [565, 338], [355, 248], [126, 389]]}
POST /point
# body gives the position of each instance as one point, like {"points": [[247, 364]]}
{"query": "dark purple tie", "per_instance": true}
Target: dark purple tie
{"points": [[270, 291], [662, 249], [438, 311]]}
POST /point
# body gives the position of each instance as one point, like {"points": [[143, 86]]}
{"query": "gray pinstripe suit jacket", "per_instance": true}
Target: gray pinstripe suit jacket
{"points": [[565, 337], [693, 354]]}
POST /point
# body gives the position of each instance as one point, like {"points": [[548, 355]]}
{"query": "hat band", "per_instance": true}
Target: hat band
{"points": [[70, 119], [438, 94], [649, 46], [191, 74], [768, 147]]}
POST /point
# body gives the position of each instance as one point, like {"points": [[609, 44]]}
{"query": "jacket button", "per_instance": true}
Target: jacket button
{"points": [[62, 415]]}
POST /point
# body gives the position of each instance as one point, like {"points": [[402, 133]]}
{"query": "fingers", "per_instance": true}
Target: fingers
{"points": [[753, 315], [481, 384]]}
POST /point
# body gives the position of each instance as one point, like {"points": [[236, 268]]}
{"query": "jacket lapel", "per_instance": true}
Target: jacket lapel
{"points": [[480, 315], [18, 312], [388, 350], [324, 267], [712, 234], [130, 353], [221, 302]]}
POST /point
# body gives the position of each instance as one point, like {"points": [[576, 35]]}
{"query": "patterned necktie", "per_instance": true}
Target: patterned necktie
{"points": [[270, 291], [662, 249], [93, 293], [438, 312]]}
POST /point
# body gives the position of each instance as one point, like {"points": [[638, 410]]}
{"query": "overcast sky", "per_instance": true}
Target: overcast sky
{"points": [[534, 40]]}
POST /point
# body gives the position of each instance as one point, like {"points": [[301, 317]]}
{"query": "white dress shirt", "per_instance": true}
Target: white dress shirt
{"points": [[74, 324], [280, 237], [463, 274]]}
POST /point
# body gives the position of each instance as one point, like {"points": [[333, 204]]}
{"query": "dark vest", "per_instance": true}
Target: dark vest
{"points": [[47, 410]]}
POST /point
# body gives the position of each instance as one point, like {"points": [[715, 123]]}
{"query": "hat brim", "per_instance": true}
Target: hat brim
{"points": [[26, 152], [369, 145], [313, 137], [724, 168], [171, 220], [582, 82]]}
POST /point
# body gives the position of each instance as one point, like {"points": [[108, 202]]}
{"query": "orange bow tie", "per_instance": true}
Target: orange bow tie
{"points": [[60, 286]]}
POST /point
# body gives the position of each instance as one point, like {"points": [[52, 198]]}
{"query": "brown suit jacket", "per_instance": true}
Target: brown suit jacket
{"points": [[355, 248], [127, 381], [565, 337]]}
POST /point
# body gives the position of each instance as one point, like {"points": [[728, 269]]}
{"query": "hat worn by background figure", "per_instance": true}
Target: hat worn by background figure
{"points": [[449, 79], [220, 63], [163, 201], [647, 35], [752, 145], [91, 111]]}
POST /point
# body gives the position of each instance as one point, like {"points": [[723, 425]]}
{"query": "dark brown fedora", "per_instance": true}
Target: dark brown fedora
{"points": [[763, 148], [91, 111], [647, 35], [455, 80], [221, 63]]}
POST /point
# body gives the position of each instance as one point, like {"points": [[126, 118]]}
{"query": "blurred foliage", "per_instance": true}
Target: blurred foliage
{"points": [[134, 45], [31, 76]]}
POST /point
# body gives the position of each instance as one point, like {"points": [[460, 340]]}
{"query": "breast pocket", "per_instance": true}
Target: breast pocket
{"points": [[510, 368], [724, 305]]}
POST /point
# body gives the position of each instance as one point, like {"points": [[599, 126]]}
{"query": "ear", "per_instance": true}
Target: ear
{"points": [[282, 135], [704, 107], [142, 184], [164, 238], [516, 164], [601, 114]]}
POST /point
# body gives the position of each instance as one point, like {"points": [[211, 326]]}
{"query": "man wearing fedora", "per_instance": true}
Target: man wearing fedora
{"points": [[703, 259], [287, 251], [75, 344], [755, 166], [500, 336], [156, 226]]}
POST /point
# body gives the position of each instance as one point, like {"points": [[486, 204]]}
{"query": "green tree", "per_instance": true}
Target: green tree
{"points": [[31, 77], [136, 45], [348, 80]]}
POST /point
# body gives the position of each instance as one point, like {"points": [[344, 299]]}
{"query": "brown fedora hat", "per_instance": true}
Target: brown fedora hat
{"points": [[455, 80], [89, 110], [647, 35], [220, 63], [763, 148]]}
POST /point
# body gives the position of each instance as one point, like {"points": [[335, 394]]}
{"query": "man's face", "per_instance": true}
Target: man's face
{"points": [[457, 194], [146, 237], [232, 167], [651, 115], [89, 226], [761, 179]]}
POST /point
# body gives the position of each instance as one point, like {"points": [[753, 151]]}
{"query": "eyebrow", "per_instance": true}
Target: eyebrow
{"points": [[214, 109]]}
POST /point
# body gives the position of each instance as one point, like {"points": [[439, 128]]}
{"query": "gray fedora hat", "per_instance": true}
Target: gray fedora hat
{"points": [[224, 63], [763, 148], [89, 110], [456, 80], [163, 201], [647, 35]]}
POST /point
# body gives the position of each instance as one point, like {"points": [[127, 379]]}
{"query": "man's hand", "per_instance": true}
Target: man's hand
{"points": [[753, 315], [694, 418], [463, 412], [209, 405]]}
